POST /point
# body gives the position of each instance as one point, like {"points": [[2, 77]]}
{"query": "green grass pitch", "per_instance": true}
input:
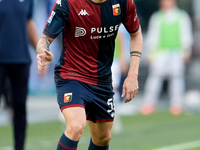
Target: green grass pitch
{"points": [[158, 130]]}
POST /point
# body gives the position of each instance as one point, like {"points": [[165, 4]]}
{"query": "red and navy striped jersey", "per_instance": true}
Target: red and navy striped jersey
{"points": [[89, 30]]}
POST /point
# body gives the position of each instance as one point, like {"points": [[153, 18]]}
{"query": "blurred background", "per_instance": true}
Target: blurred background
{"points": [[133, 130]]}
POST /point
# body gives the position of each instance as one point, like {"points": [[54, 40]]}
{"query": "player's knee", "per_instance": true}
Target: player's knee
{"points": [[76, 130], [106, 140], [103, 140]]}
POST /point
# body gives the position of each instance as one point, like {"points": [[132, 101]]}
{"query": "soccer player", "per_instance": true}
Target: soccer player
{"points": [[83, 73], [16, 29]]}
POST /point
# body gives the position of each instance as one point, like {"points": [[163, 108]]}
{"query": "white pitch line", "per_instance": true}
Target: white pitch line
{"points": [[6, 147], [182, 146]]}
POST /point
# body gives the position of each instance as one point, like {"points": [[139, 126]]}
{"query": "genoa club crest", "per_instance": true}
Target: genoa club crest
{"points": [[67, 97], [116, 9]]}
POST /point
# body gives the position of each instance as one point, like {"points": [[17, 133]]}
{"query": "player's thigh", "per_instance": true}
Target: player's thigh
{"points": [[100, 132], [75, 117]]}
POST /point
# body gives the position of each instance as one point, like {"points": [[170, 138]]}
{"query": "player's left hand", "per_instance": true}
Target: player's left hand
{"points": [[130, 88]]}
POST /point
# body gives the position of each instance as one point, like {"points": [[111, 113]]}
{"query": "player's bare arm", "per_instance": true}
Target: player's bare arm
{"points": [[32, 33], [130, 86], [44, 56], [43, 44]]}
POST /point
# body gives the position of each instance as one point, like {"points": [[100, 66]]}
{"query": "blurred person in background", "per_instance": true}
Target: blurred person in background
{"points": [[83, 73], [120, 68], [16, 30], [116, 75], [169, 40], [117, 68], [42, 86], [5, 97]]}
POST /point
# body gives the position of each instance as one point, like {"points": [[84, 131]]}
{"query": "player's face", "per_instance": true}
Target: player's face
{"points": [[167, 4]]}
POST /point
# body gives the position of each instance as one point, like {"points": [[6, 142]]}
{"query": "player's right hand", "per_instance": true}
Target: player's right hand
{"points": [[44, 59], [43, 71]]}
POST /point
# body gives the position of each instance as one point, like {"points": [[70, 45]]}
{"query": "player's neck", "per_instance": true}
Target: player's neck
{"points": [[98, 1]]}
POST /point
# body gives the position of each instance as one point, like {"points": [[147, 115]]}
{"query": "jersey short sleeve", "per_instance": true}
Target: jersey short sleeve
{"points": [[30, 11], [57, 19], [131, 21]]}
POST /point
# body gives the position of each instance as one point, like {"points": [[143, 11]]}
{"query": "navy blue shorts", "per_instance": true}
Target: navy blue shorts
{"points": [[97, 101]]}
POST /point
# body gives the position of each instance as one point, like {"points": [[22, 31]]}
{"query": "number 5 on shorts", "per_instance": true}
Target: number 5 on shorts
{"points": [[111, 104]]}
